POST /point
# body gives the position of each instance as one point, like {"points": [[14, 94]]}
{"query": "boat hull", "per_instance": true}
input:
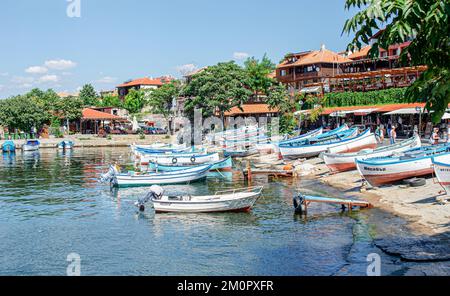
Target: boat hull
{"points": [[142, 180], [233, 205], [381, 174], [441, 168], [225, 165], [188, 159]]}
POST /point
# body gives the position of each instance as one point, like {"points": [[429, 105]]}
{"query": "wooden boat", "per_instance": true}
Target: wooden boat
{"points": [[316, 134], [233, 200], [366, 140], [8, 147], [301, 202], [66, 145], [179, 159], [239, 152], [221, 165], [441, 168], [313, 147], [412, 163], [31, 145], [147, 179], [346, 161]]}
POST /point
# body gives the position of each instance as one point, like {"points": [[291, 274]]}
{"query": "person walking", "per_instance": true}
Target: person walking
{"points": [[393, 135], [378, 133]]}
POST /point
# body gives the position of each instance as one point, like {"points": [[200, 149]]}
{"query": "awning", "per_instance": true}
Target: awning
{"points": [[312, 89], [446, 116], [406, 111], [363, 112]]}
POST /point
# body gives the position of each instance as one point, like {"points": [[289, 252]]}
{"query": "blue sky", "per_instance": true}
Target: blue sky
{"points": [[116, 40]]}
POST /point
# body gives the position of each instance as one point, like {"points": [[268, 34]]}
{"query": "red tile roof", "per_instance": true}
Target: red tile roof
{"points": [[143, 81], [315, 57], [251, 109], [361, 54], [91, 114]]}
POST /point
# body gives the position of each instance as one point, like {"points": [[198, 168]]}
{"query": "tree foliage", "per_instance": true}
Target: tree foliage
{"points": [[134, 101], [258, 74], [427, 23], [375, 97], [161, 100], [21, 112], [217, 88], [69, 108], [88, 95], [111, 101]]}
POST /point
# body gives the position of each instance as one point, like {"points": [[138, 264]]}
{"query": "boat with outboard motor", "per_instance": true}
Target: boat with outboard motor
{"points": [[232, 200], [132, 178]]}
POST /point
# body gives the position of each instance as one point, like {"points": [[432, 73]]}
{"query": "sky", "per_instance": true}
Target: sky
{"points": [[116, 40]]}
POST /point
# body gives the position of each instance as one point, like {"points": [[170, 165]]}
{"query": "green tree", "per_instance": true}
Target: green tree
{"points": [[88, 95], [161, 100], [217, 89], [111, 101], [20, 112], [258, 75], [427, 23], [134, 101]]}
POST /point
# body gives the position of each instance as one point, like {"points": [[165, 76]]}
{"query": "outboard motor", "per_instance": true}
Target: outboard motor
{"points": [[156, 192], [109, 176], [299, 204]]}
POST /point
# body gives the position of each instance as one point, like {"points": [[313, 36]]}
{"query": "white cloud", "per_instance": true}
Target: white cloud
{"points": [[26, 85], [60, 64], [36, 70], [107, 79], [1, 86], [240, 55], [49, 78], [186, 69], [4, 74]]}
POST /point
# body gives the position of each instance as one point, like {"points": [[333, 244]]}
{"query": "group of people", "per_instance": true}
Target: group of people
{"points": [[379, 134]]}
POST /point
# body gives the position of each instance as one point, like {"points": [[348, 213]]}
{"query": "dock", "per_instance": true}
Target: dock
{"points": [[302, 202]]}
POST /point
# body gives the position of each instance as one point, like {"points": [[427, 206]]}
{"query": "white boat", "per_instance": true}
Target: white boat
{"points": [[413, 163], [441, 167], [233, 200], [313, 147], [31, 145], [347, 161], [316, 134], [179, 159], [147, 179], [366, 140]]}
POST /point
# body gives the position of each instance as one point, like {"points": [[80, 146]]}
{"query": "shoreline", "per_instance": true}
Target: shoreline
{"points": [[417, 205], [90, 141]]}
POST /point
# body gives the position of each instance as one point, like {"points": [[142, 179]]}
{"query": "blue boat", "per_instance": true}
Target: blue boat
{"points": [[316, 134], [9, 147], [31, 145], [221, 165]]}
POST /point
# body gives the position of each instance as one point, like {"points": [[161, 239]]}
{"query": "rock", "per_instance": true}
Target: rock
{"points": [[423, 249], [304, 169]]}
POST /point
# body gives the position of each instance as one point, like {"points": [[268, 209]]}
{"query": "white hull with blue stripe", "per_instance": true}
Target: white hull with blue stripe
{"points": [[441, 167]]}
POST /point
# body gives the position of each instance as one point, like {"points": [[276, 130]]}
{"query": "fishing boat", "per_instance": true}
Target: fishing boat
{"points": [[168, 151], [66, 145], [221, 165], [8, 147], [233, 200], [341, 162], [31, 145], [155, 178], [441, 168], [366, 140], [179, 159], [313, 147], [239, 152], [412, 163], [317, 135]]}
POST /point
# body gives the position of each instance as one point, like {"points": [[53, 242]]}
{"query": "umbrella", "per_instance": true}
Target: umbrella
{"points": [[135, 124]]}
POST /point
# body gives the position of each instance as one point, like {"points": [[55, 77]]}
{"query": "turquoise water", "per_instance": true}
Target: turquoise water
{"points": [[51, 204]]}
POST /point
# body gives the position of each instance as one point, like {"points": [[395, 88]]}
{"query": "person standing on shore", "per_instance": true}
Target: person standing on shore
{"points": [[435, 137], [393, 135], [378, 134]]}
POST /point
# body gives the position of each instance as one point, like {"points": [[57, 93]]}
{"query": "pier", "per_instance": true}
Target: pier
{"points": [[302, 202]]}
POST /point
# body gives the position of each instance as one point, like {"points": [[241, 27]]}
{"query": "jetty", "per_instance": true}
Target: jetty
{"points": [[302, 202]]}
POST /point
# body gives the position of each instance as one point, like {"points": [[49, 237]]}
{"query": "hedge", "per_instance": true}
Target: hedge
{"points": [[376, 97]]}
